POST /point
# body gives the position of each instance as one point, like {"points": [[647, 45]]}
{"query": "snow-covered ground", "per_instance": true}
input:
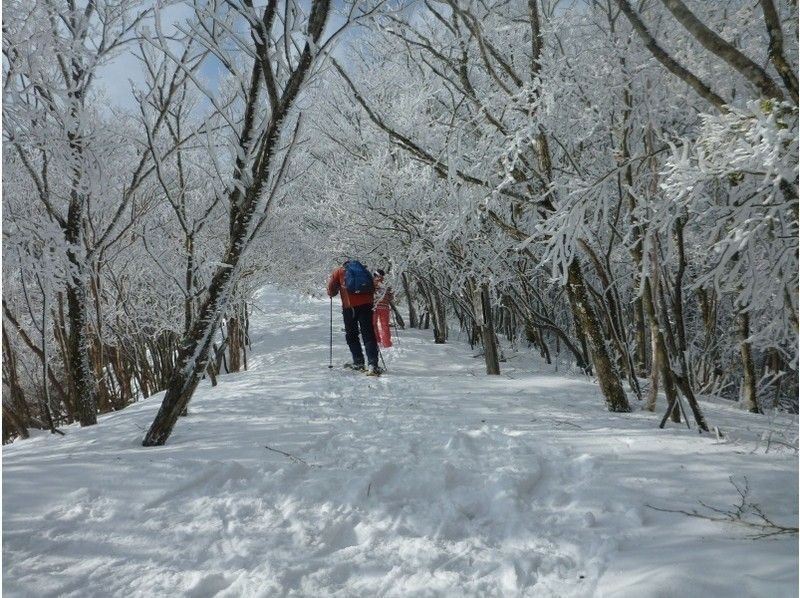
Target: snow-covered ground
{"points": [[434, 480]]}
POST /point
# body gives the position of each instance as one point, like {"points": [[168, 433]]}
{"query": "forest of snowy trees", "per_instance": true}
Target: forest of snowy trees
{"points": [[611, 182]]}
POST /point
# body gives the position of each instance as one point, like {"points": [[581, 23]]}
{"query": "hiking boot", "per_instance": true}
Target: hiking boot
{"points": [[374, 370], [359, 367]]}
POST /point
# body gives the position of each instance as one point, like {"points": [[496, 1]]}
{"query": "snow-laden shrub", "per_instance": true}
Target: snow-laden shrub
{"points": [[737, 180]]}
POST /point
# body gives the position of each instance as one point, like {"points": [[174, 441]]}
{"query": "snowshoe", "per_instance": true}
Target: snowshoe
{"points": [[374, 370]]}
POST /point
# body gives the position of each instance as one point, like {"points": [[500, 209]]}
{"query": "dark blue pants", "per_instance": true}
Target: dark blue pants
{"points": [[356, 318]]}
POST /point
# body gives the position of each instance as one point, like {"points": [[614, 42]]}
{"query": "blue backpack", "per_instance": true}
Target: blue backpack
{"points": [[357, 278]]}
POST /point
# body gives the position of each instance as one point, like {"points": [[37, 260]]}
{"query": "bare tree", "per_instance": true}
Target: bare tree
{"points": [[53, 52], [269, 65]]}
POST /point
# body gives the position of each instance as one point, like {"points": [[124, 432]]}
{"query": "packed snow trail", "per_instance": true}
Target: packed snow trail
{"points": [[433, 480]]}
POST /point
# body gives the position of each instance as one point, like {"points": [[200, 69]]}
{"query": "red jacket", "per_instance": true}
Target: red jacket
{"points": [[336, 284]]}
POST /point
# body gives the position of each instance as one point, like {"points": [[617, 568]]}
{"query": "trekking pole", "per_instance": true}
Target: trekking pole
{"points": [[380, 354], [330, 348]]}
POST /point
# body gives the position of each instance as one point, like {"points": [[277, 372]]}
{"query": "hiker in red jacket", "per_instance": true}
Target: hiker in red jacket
{"points": [[383, 304], [357, 314]]}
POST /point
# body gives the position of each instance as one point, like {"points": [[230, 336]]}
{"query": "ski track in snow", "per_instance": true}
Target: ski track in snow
{"points": [[433, 480]]}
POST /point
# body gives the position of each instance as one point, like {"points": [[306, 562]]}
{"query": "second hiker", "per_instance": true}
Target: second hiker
{"points": [[383, 304], [354, 284]]}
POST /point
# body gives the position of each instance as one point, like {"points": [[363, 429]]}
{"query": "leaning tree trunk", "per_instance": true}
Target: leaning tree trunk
{"points": [[250, 181], [724, 49], [194, 352], [660, 363], [776, 54], [606, 375]]}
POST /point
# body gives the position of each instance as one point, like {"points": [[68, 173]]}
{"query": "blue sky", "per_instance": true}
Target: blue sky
{"points": [[117, 77]]}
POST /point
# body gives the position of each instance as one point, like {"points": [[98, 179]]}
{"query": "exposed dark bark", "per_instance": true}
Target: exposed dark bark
{"points": [[398, 318], [776, 52], [17, 407], [655, 357], [748, 390], [12, 424], [585, 360], [614, 319], [661, 363], [413, 321], [193, 354], [664, 58], [606, 375], [434, 310], [46, 365], [724, 50], [684, 378], [640, 335], [486, 323], [440, 320], [82, 375], [234, 344]]}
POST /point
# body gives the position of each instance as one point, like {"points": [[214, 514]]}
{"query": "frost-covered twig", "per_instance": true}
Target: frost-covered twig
{"points": [[285, 454], [746, 513]]}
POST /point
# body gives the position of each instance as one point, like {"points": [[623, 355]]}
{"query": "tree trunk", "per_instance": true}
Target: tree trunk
{"points": [[748, 391], [665, 59], [123, 375], [193, 353], [684, 380], [640, 336], [484, 319], [661, 363], [80, 368], [610, 385], [47, 414], [252, 169], [724, 50], [655, 366], [62, 338], [246, 344], [776, 55], [398, 318], [585, 360], [12, 424], [188, 301], [19, 416], [413, 321], [608, 304], [234, 344], [710, 372], [440, 318]]}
